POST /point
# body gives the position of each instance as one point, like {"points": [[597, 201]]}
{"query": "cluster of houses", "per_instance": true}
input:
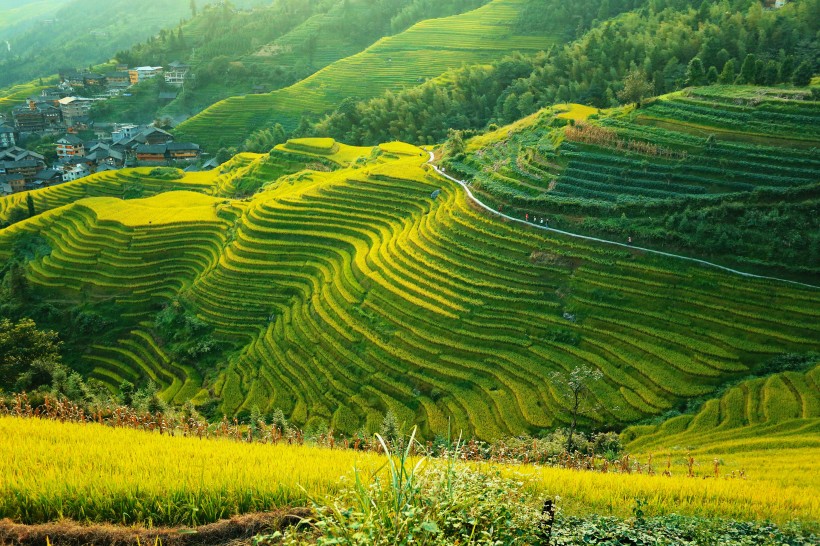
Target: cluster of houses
{"points": [[126, 146], [115, 82], [63, 107], [63, 110]]}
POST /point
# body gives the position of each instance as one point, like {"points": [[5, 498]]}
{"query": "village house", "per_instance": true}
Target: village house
{"points": [[94, 80], [102, 154], [175, 73], [73, 78], [172, 151], [11, 184], [151, 153], [8, 136], [5, 187], [118, 80], [142, 73], [70, 146], [16, 153], [182, 151], [124, 132], [36, 117], [75, 109], [154, 135], [48, 177], [26, 168], [75, 171]]}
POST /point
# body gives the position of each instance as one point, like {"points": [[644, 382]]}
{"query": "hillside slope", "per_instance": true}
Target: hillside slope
{"points": [[424, 51], [78, 33], [778, 412], [237, 52], [729, 173], [337, 295]]}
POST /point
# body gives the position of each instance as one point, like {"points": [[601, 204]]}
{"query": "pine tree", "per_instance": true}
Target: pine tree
{"points": [[727, 75], [695, 74], [802, 74], [748, 71]]}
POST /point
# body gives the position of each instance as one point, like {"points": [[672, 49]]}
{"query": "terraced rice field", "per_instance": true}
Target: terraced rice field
{"points": [[424, 51], [778, 412], [150, 251], [131, 183], [110, 183], [620, 159], [351, 292], [325, 148], [789, 114], [16, 95], [727, 149]]}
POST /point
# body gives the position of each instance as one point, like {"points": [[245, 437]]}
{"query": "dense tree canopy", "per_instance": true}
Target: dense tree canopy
{"points": [[670, 43]]}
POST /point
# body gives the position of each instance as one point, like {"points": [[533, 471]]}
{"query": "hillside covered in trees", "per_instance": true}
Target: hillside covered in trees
{"points": [[655, 48]]}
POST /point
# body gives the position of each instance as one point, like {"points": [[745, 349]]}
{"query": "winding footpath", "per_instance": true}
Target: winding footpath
{"points": [[489, 209]]}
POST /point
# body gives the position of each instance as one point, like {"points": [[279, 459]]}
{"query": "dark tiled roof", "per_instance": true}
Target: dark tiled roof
{"points": [[182, 146], [71, 139], [48, 174], [157, 149], [22, 164]]}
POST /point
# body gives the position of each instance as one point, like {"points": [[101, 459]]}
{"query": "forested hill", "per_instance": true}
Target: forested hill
{"points": [[47, 35], [655, 49], [236, 52], [18, 15], [401, 61]]}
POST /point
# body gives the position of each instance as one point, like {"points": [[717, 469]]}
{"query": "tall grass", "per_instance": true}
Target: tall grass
{"points": [[50, 470]]}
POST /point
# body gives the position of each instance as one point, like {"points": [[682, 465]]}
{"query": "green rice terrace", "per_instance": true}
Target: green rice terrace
{"points": [[357, 280], [775, 412], [721, 172], [424, 51]]}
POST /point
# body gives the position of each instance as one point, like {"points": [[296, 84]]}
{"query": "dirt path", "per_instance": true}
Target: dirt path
{"points": [[235, 531]]}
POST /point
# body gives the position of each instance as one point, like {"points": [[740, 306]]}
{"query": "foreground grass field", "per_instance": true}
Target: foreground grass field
{"points": [[50, 470], [426, 50]]}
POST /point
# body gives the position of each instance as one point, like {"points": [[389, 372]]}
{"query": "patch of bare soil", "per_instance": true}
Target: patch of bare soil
{"points": [[235, 531]]}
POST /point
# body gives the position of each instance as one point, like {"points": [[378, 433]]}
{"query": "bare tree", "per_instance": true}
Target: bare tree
{"points": [[576, 385]]}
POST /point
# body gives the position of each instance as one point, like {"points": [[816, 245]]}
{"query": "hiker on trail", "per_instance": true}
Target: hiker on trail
{"points": [[630, 239]]}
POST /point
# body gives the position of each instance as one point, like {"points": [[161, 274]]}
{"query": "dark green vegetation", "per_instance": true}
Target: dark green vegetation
{"points": [[336, 296], [674, 531], [726, 173], [239, 52], [426, 50], [45, 37], [664, 45]]}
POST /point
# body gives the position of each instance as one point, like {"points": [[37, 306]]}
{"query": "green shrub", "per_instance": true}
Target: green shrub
{"points": [[426, 504], [166, 173]]}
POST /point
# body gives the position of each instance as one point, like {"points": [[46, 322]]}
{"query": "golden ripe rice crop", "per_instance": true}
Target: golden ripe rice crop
{"points": [[50, 470]]}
